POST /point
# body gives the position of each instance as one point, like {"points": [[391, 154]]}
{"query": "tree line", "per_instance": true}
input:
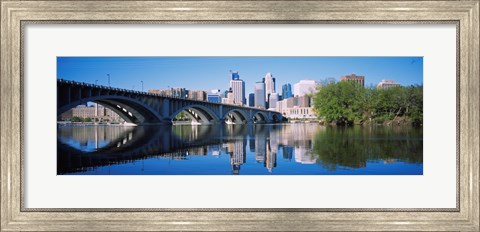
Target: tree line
{"points": [[348, 103]]}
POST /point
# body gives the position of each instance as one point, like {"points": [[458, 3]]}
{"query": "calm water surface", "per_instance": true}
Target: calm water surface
{"points": [[279, 149]]}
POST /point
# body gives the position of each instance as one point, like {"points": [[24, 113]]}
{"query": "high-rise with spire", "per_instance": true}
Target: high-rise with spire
{"points": [[269, 85], [237, 86]]}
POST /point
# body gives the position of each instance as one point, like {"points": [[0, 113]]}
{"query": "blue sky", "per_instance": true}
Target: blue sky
{"points": [[206, 73]]}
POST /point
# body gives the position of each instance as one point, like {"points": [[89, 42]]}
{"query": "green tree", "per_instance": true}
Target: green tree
{"points": [[343, 103], [414, 108], [77, 119], [346, 103]]}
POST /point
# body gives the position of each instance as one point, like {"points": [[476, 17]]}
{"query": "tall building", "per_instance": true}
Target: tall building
{"points": [[304, 87], [260, 95], [238, 90], [272, 100], [385, 84], [354, 78], [251, 100], [234, 75], [287, 91], [269, 85]]}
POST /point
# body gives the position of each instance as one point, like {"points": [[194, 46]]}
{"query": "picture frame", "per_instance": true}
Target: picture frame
{"points": [[15, 217]]}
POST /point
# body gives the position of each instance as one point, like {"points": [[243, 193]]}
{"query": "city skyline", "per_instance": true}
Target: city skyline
{"points": [[207, 73], [174, 121]]}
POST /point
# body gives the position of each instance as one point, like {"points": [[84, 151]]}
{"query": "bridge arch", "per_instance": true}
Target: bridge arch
{"points": [[199, 113], [276, 117], [236, 116], [129, 109], [260, 117]]}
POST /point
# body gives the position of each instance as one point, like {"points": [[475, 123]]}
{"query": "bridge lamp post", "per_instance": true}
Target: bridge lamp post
{"points": [[108, 75], [142, 85]]}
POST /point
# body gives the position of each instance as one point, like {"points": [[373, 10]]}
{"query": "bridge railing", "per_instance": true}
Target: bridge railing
{"points": [[149, 94]]}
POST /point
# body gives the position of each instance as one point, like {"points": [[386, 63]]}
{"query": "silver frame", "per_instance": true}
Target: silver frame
{"points": [[16, 14]]}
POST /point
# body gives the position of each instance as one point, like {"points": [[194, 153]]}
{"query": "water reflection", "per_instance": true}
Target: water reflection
{"points": [[239, 149], [354, 147]]}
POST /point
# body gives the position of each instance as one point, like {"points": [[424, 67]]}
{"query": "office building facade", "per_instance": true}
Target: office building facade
{"points": [[386, 84], [354, 78], [269, 85], [95, 112], [238, 90], [214, 98], [287, 91], [229, 99], [251, 100], [296, 108], [198, 95], [304, 87], [171, 92], [260, 95], [272, 100]]}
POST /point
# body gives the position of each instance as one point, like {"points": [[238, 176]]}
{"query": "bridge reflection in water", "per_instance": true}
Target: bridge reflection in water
{"points": [[238, 149]]}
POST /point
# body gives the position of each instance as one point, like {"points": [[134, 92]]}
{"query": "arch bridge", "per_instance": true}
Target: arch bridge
{"points": [[148, 108]]}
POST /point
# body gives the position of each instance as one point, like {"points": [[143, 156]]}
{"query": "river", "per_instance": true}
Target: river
{"points": [[259, 149]]}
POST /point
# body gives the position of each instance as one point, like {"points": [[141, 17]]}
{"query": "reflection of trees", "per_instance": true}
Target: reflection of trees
{"points": [[353, 147], [302, 143]]}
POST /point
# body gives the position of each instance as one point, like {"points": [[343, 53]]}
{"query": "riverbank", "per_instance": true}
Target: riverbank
{"points": [[68, 123], [398, 121]]}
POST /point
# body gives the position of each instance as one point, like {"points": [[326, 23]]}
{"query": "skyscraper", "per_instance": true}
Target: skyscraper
{"points": [[238, 90], [251, 100], [287, 91], [269, 85], [260, 95], [234, 75]]}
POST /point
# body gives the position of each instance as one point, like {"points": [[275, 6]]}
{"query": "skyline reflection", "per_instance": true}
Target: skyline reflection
{"points": [[294, 149]]}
